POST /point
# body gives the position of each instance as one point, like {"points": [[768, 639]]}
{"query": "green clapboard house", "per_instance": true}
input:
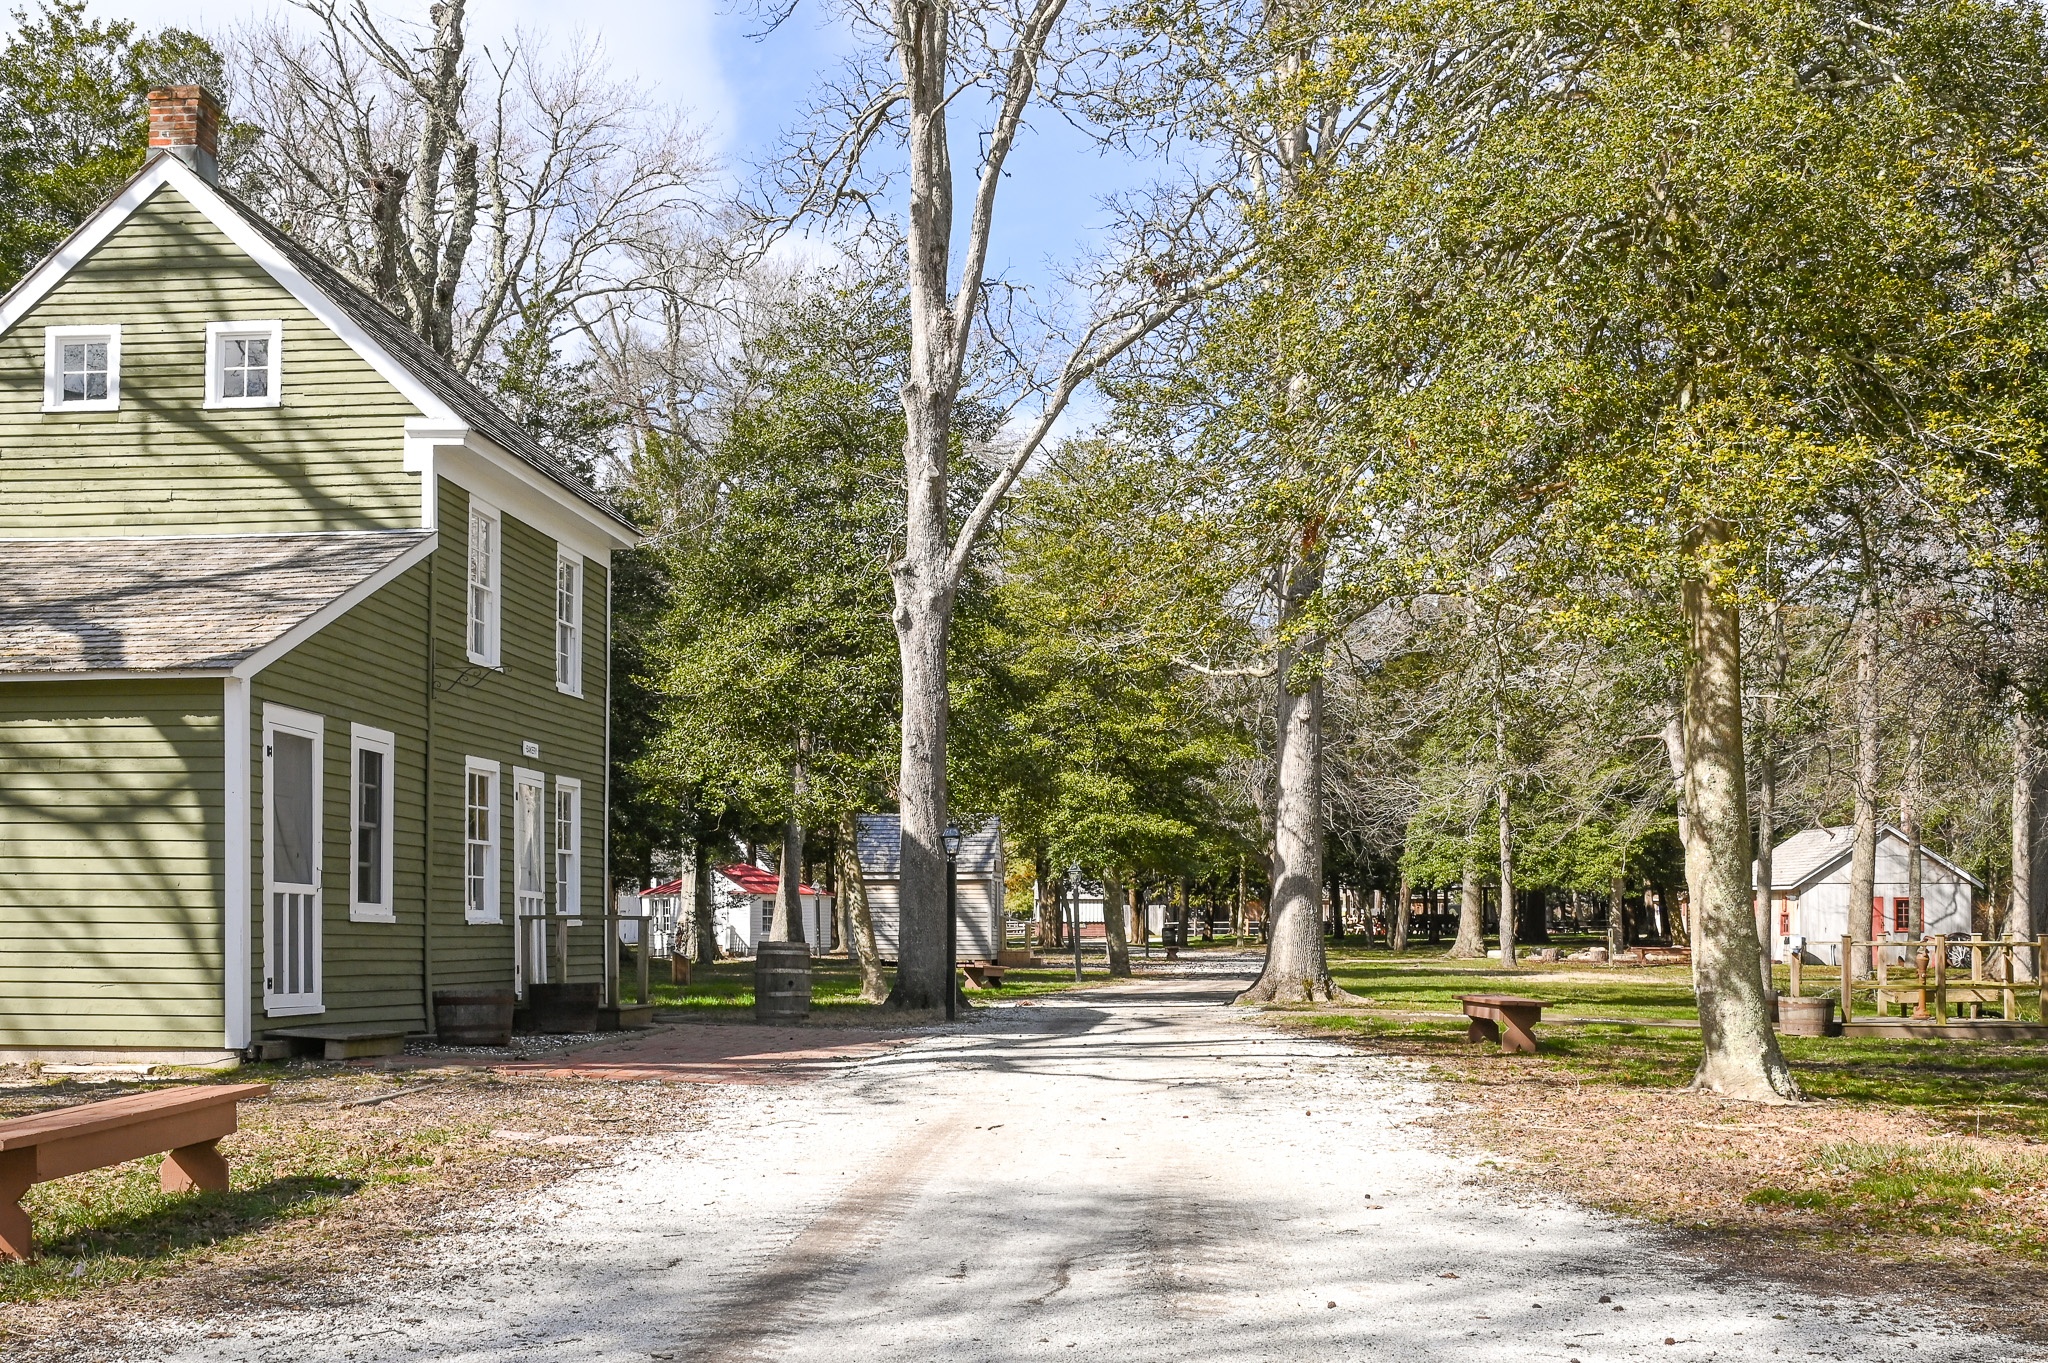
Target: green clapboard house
{"points": [[303, 682]]}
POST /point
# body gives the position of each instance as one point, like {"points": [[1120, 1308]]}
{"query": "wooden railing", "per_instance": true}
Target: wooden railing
{"points": [[1931, 984]]}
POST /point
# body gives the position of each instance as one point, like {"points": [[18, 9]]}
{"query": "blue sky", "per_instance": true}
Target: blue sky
{"points": [[697, 54]]}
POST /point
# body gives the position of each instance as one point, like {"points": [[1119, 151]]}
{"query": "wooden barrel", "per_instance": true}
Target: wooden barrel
{"points": [[473, 1017], [782, 981], [1806, 1017], [563, 1009]]}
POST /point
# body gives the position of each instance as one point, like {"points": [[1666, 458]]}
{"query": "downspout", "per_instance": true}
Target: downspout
{"points": [[427, 808], [604, 841], [235, 890]]}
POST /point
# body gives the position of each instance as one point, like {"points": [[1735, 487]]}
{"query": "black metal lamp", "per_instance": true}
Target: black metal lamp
{"points": [[951, 838]]}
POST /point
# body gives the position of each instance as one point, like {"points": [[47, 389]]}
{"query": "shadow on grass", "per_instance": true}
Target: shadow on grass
{"points": [[102, 1230]]}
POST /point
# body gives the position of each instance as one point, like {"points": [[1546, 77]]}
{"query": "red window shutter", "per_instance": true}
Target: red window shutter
{"points": [[1876, 917]]}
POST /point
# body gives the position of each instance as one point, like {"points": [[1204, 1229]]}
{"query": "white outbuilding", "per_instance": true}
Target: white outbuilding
{"points": [[1810, 894], [978, 895], [742, 911]]}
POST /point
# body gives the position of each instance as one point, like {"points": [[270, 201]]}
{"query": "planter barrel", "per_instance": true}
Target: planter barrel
{"points": [[563, 1009], [782, 981], [473, 1017], [1806, 1017]]}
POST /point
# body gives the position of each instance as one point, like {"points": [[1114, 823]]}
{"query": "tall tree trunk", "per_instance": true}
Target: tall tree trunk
{"points": [[1296, 968], [1397, 925], [1471, 943], [700, 905], [2026, 871], [1863, 856], [786, 923], [1909, 824], [1049, 919], [860, 919], [1505, 835], [922, 577], [1740, 1058], [1767, 796], [1113, 921], [1617, 920]]}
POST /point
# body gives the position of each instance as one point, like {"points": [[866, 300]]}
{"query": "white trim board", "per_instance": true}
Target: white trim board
{"points": [[237, 897]]}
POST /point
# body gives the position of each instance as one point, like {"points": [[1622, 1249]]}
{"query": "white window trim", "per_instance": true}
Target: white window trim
{"points": [[573, 684], [486, 912], [479, 509], [568, 785], [361, 738], [216, 332], [53, 378]]}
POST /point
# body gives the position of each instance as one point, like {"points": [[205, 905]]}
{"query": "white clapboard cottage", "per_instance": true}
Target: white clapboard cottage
{"points": [[1810, 894], [978, 902]]}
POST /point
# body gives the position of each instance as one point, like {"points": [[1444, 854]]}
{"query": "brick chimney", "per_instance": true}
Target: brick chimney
{"points": [[184, 120]]}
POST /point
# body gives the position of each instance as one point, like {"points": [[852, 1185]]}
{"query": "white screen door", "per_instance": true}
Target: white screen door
{"points": [[529, 884], [291, 861]]}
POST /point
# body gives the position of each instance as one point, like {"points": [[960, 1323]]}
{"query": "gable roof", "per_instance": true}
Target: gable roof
{"points": [[1813, 852], [754, 880], [372, 330], [881, 845], [183, 604]]}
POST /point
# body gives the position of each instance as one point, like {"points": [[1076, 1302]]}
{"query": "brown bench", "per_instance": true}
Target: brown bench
{"points": [[1503, 1018], [982, 974], [185, 1122]]}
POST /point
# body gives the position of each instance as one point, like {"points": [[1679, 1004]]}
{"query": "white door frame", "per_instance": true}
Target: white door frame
{"points": [[529, 903], [298, 904]]}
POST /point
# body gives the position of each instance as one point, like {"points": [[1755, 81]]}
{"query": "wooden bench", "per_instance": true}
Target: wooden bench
{"points": [[185, 1122], [982, 974], [1503, 1018]]}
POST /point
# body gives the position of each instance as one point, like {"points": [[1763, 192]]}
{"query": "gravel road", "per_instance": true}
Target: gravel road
{"points": [[1130, 1175]]}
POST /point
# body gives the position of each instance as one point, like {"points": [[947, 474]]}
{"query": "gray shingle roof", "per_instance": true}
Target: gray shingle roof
{"points": [[174, 603], [463, 397], [881, 845], [1813, 852]]}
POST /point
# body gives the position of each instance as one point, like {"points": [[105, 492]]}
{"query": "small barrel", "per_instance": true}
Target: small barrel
{"points": [[1806, 1017], [563, 1009], [473, 1017], [782, 981]]}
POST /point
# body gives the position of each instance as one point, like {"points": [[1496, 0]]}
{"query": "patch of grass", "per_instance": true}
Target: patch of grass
{"points": [[1888, 1189], [114, 1224], [318, 1184]]}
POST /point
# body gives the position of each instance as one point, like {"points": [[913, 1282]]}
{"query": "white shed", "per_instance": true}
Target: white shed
{"points": [[743, 909], [1810, 893], [978, 901]]}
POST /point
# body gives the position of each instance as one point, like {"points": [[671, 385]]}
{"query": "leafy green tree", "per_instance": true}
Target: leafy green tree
{"points": [[73, 120]]}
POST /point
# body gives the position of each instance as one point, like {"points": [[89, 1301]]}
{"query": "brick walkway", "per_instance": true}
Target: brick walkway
{"points": [[693, 1053]]}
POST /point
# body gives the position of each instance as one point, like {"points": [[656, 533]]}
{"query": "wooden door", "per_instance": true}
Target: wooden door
{"points": [[291, 862]]}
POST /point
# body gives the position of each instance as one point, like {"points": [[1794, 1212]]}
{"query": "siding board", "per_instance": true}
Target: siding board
{"points": [[110, 889], [329, 458]]}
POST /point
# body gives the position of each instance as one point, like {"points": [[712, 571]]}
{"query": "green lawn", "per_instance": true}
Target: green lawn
{"points": [[1996, 1086]]}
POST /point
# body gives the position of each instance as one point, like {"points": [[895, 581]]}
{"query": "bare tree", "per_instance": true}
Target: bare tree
{"points": [[468, 196], [889, 120]]}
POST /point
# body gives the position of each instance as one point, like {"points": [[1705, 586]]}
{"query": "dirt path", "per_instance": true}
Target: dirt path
{"points": [[1128, 1175]]}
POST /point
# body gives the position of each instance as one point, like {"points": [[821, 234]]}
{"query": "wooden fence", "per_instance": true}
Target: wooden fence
{"points": [[1931, 984]]}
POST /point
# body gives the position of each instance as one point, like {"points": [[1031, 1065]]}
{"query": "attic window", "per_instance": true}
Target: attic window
{"points": [[81, 369], [242, 363]]}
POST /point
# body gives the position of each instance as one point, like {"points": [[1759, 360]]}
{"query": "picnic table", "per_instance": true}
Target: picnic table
{"points": [[1503, 1018]]}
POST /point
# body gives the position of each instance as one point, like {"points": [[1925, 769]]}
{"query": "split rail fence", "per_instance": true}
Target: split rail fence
{"points": [[1933, 981]]}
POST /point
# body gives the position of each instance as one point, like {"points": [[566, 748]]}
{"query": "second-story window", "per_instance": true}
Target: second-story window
{"points": [[81, 369], [484, 553], [569, 626], [243, 361]]}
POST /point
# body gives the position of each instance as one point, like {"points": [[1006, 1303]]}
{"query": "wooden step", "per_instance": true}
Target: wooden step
{"points": [[344, 1042]]}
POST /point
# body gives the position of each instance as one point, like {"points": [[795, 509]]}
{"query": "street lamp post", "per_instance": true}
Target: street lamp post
{"points": [[952, 837]]}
